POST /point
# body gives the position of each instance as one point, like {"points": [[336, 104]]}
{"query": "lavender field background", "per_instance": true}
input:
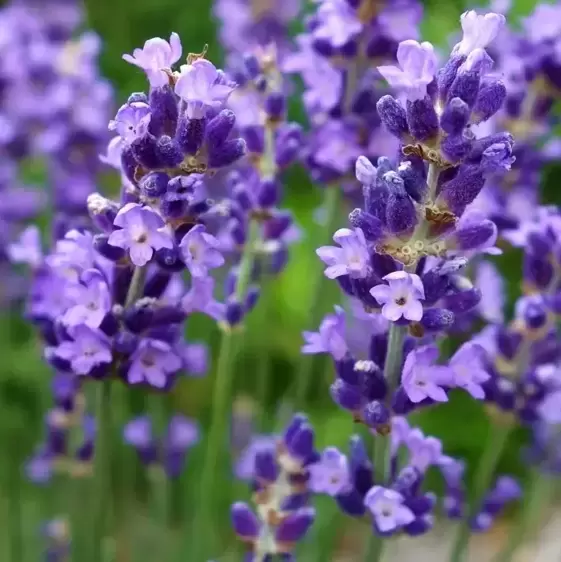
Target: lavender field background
{"points": [[273, 330]]}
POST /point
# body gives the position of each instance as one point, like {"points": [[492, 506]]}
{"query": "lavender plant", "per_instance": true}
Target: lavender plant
{"points": [[201, 155]]}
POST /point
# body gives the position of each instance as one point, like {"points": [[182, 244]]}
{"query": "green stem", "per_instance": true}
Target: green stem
{"points": [[382, 460], [496, 443], [210, 485], [536, 496], [333, 201], [264, 366], [102, 470], [14, 510], [159, 484]]}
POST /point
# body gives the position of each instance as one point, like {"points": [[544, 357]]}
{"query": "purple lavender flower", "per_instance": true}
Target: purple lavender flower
{"points": [[89, 348], [424, 451], [153, 362], [330, 338], [417, 66], [352, 258], [199, 250], [138, 433], [201, 87], [422, 379], [401, 296], [467, 368], [337, 22], [142, 231], [479, 31], [157, 55], [91, 301], [200, 299], [388, 509], [27, 249], [331, 474], [131, 121]]}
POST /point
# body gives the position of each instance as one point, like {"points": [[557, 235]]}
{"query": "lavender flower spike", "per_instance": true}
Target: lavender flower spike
{"points": [[142, 231], [156, 55], [352, 258], [479, 31], [200, 86], [401, 296], [422, 379], [417, 66]]}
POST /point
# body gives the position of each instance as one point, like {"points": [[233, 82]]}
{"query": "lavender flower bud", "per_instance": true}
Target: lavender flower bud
{"points": [[275, 106], [437, 319], [538, 270], [102, 211], [163, 106], [169, 152], [475, 235], [489, 100], [497, 158], [414, 180], [393, 116], [455, 116], [422, 119], [145, 150], [369, 224], [375, 414], [401, 215], [108, 251], [227, 153], [346, 396], [269, 193], [154, 184], [464, 301], [219, 128], [190, 134], [365, 171], [447, 74], [456, 147], [244, 521], [295, 526], [460, 191]]}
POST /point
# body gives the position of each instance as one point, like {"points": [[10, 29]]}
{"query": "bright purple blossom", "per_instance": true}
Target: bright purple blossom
{"points": [[331, 474], [131, 121], [352, 258], [200, 299], [479, 31], [330, 338], [91, 301], [424, 451], [182, 433], [337, 22], [152, 362], [88, 348], [388, 509], [199, 85], [199, 250], [401, 296], [467, 368], [156, 55], [142, 231], [138, 432], [422, 379], [550, 409], [417, 66], [27, 249]]}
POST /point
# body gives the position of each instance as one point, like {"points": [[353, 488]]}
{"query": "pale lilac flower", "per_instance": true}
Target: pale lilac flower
{"points": [[89, 348], [387, 509], [200, 298], [352, 258], [182, 433], [417, 66], [27, 249], [194, 356], [401, 296], [142, 231], [112, 156], [337, 22], [156, 55], [73, 254], [424, 451], [138, 433], [152, 362], [330, 475], [467, 369], [330, 338], [200, 86], [422, 379], [199, 250], [550, 408], [131, 121], [91, 301], [400, 432], [478, 31]]}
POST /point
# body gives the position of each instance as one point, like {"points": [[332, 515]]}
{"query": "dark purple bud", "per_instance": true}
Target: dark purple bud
{"points": [[169, 152], [419, 526], [184, 185], [345, 395], [375, 414], [539, 243], [164, 113], [534, 315], [422, 119], [455, 116], [288, 144], [190, 134], [167, 316], [456, 147], [110, 324], [266, 467], [538, 270], [108, 251], [154, 184], [369, 224], [508, 343], [461, 190], [489, 100], [254, 138], [251, 298], [437, 319], [102, 211], [401, 215], [301, 445], [414, 180], [234, 312], [252, 66], [401, 405], [125, 343], [393, 116], [227, 153], [276, 226], [145, 150], [464, 301], [295, 526], [170, 260], [466, 87], [408, 481], [268, 193], [447, 74], [475, 235], [129, 164], [352, 503], [244, 521], [345, 369], [275, 105], [174, 206], [219, 128], [294, 426], [137, 97], [138, 318]]}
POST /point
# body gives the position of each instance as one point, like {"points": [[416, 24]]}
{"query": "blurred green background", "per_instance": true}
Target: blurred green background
{"points": [[24, 379]]}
